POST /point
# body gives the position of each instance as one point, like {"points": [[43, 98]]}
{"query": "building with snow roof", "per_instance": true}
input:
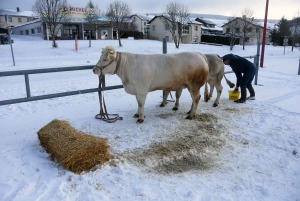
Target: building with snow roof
{"points": [[191, 32], [15, 17], [141, 22]]}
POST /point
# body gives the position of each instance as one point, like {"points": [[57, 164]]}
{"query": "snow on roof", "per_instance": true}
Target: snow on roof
{"points": [[31, 22], [193, 21], [206, 20], [14, 12], [145, 16]]}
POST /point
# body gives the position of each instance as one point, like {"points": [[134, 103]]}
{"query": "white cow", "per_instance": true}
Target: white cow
{"points": [[216, 73], [142, 73]]}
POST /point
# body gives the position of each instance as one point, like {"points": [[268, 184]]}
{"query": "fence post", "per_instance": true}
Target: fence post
{"points": [[164, 52], [11, 48], [256, 60], [164, 46], [27, 86], [299, 68]]}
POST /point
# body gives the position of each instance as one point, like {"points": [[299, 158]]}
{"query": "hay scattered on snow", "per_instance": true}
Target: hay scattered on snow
{"points": [[193, 146], [74, 150]]}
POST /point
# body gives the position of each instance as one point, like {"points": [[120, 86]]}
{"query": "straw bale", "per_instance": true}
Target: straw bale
{"points": [[74, 150]]}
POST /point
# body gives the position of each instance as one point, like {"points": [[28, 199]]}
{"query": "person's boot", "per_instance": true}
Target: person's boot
{"points": [[252, 94], [243, 96]]}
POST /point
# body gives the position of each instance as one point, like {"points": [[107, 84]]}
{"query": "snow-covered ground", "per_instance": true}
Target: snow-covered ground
{"points": [[250, 151]]}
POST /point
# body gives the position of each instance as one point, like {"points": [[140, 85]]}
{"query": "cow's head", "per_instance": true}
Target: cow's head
{"points": [[106, 63]]}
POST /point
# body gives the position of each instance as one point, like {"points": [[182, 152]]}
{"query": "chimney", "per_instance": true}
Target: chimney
{"points": [[18, 9]]}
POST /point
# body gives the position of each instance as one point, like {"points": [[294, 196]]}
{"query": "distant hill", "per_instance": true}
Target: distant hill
{"points": [[218, 17], [209, 16]]}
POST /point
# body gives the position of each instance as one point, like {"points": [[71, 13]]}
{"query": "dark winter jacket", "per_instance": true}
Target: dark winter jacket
{"points": [[240, 65]]}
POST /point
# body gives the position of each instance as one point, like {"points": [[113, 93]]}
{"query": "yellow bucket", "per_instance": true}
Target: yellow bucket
{"points": [[234, 95]]}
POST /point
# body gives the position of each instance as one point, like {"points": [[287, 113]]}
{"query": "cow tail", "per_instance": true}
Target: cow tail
{"points": [[206, 97], [230, 84]]}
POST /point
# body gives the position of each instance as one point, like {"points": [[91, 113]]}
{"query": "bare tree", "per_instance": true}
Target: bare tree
{"points": [[232, 28], [92, 14], [247, 24], [2, 22], [118, 13], [175, 20], [52, 12], [295, 29]]}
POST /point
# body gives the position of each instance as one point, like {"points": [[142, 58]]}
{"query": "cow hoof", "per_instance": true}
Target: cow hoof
{"points": [[136, 116], [162, 105], [175, 108], [189, 117], [215, 105], [140, 121]]}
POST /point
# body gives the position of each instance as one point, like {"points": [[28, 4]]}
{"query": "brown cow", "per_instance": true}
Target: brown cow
{"points": [[216, 73]]}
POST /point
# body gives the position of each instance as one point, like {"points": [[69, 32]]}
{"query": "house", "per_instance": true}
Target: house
{"points": [[141, 22], [32, 28], [78, 25], [208, 27], [15, 17], [252, 35], [158, 30]]}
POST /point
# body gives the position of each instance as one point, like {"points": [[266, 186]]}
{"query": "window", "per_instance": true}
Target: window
{"points": [[186, 29], [28, 19], [237, 30], [227, 30], [21, 32], [249, 29], [32, 31], [19, 19], [166, 26], [26, 32], [257, 30], [145, 23], [153, 27], [196, 28], [39, 30], [10, 19]]}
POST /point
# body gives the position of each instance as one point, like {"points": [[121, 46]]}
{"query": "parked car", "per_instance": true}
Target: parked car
{"points": [[4, 39]]}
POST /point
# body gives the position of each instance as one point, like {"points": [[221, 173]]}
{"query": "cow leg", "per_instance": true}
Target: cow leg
{"points": [[178, 94], [195, 94], [211, 88], [140, 98], [219, 91], [165, 97]]}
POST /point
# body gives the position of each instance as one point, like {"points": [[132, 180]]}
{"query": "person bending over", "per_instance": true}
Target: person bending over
{"points": [[244, 71]]}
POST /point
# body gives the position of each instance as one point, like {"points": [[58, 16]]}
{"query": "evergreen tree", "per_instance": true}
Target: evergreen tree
{"points": [[275, 35], [281, 30], [283, 27]]}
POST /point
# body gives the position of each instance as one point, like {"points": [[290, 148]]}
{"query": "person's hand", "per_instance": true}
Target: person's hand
{"points": [[236, 89]]}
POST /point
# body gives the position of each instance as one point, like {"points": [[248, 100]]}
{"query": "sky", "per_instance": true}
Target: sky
{"points": [[234, 152], [277, 8]]}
